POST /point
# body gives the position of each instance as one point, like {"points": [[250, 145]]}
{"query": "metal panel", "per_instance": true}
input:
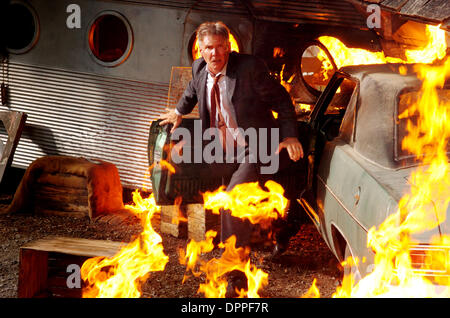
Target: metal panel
{"points": [[220, 6], [86, 115], [329, 12]]}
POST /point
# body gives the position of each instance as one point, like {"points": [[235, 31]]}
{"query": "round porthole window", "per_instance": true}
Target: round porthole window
{"points": [[110, 38], [317, 67], [22, 20]]}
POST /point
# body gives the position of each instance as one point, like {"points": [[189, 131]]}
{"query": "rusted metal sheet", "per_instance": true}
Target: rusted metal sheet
{"points": [[86, 115]]}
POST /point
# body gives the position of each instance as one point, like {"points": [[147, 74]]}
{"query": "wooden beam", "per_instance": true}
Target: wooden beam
{"points": [[393, 4], [43, 264], [14, 123], [437, 10]]}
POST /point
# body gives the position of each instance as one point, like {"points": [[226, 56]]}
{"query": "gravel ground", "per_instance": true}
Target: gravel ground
{"points": [[291, 276]]}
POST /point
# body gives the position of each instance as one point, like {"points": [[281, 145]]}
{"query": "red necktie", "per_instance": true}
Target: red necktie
{"points": [[215, 107]]}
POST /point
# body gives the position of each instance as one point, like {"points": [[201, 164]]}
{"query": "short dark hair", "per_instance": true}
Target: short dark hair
{"points": [[212, 28]]}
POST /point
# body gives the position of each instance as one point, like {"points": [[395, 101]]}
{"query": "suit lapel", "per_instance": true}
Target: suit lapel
{"points": [[231, 78], [202, 108]]}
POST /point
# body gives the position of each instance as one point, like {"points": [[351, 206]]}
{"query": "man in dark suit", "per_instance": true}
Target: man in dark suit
{"points": [[239, 92]]}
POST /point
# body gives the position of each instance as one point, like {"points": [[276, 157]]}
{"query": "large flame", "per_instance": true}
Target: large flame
{"points": [[394, 272], [216, 270], [250, 201], [342, 55], [422, 209], [121, 275], [246, 201]]}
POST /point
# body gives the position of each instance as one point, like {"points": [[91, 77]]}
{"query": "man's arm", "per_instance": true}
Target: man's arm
{"points": [[274, 94], [184, 106]]}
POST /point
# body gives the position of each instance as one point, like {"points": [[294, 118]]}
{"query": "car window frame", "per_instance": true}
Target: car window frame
{"points": [[324, 100]]}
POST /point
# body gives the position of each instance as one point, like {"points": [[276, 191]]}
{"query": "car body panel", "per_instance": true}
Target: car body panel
{"points": [[361, 174]]}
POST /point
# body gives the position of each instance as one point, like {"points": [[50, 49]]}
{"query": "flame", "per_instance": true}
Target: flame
{"points": [[342, 55], [232, 259], [250, 201], [190, 257], [278, 52], [121, 275], [166, 165], [394, 274], [313, 291], [304, 108], [196, 50]]}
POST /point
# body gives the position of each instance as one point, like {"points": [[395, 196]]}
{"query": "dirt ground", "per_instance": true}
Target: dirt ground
{"points": [[308, 256]]}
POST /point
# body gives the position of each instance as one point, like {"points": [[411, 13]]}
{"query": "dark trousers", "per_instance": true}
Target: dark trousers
{"points": [[238, 173]]}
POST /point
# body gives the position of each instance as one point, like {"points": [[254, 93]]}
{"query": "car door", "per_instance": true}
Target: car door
{"points": [[329, 172]]}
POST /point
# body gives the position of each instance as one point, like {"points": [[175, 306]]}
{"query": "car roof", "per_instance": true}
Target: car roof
{"points": [[382, 72], [375, 133]]}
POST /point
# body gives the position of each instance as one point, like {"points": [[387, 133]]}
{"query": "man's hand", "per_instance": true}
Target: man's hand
{"points": [[293, 146], [170, 117]]}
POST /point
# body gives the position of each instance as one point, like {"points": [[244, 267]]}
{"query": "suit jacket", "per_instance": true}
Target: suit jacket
{"points": [[251, 91]]}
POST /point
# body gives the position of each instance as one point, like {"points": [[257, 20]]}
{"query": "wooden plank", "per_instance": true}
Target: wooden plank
{"points": [[14, 123], [32, 273], [173, 221], [76, 246], [43, 264], [174, 229], [393, 4], [200, 221], [437, 10]]}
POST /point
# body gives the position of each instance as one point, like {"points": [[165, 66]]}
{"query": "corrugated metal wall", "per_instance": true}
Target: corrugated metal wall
{"points": [[87, 115], [328, 12]]}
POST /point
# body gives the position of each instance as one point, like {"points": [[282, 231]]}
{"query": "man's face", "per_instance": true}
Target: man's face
{"points": [[215, 50]]}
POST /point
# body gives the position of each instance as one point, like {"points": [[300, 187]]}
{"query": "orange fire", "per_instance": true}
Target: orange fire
{"points": [[194, 249], [121, 275], [232, 259], [343, 56], [313, 291], [423, 209], [249, 201]]}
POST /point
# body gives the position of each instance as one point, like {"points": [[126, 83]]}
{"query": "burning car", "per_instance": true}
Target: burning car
{"points": [[359, 172]]}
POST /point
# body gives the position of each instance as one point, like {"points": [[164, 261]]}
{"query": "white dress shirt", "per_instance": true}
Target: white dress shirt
{"points": [[226, 108]]}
